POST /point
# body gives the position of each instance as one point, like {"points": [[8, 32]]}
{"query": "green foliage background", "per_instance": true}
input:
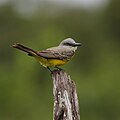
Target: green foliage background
{"points": [[26, 87]]}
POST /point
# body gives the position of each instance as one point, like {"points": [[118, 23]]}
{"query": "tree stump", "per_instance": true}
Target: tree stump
{"points": [[66, 105]]}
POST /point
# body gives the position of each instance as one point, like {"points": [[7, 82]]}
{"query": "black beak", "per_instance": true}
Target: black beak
{"points": [[77, 44]]}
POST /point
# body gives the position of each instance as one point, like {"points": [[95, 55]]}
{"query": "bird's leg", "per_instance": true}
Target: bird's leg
{"points": [[49, 69], [58, 68]]}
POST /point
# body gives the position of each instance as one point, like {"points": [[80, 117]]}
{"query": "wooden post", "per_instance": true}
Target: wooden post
{"points": [[66, 105]]}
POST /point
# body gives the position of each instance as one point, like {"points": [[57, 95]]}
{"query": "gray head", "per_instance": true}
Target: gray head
{"points": [[69, 42]]}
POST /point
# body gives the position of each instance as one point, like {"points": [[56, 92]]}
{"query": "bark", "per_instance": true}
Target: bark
{"points": [[66, 105]]}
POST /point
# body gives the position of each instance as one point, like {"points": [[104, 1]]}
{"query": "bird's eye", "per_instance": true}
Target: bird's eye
{"points": [[67, 44]]}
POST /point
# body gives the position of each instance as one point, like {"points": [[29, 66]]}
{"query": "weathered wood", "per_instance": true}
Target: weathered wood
{"points": [[66, 105]]}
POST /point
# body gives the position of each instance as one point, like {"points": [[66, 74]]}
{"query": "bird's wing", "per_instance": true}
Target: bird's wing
{"points": [[56, 53]]}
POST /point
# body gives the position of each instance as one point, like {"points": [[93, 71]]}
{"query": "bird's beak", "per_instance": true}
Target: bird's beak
{"points": [[77, 44]]}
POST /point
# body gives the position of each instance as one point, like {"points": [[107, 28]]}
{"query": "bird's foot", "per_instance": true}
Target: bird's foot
{"points": [[58, 68], [50, 70]]}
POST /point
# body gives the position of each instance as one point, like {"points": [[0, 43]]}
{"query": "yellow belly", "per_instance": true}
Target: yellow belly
{"points": [[50, 62]]}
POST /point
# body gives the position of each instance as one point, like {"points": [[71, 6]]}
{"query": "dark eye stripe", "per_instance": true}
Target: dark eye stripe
{"points": [[69, 44]]}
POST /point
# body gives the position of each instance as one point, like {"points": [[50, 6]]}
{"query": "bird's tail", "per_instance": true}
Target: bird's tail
{"points": [[25, 49]]}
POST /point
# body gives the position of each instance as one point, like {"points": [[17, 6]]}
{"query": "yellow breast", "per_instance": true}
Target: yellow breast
{"points": [[50, 62]]}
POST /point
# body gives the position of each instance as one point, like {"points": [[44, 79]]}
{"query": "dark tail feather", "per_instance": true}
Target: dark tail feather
{"points": [[25, 49]]}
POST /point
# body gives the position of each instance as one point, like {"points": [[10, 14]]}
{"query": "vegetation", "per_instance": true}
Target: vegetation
{"points": [[95, 67]]}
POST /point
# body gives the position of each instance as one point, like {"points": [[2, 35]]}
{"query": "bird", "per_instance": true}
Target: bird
{"points": [[54, 56]]}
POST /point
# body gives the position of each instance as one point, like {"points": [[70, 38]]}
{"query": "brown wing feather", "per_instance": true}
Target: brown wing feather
{"points": [[56, 54]]}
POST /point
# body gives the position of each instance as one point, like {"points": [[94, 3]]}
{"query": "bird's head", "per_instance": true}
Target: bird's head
{"points": [[69, 42]]}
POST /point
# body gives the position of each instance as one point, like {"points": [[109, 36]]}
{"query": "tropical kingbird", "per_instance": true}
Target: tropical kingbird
{"points": [[54, 56]]}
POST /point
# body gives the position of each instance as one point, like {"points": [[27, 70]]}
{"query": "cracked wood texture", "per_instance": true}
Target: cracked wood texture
{"points": [[66, 105]]}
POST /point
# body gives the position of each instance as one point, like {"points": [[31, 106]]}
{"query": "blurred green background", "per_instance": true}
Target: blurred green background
{"points": [[26, 87]]}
